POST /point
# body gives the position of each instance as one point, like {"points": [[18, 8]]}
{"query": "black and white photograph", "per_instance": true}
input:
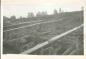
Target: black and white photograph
{"points": [[43, 27]]}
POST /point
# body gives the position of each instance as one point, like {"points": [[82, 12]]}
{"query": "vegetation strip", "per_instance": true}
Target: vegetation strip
{"points": [[23, 23], [33, 25], [51, 40]]}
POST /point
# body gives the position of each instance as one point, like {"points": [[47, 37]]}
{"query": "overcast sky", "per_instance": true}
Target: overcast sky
{"points": [[22, 7]]}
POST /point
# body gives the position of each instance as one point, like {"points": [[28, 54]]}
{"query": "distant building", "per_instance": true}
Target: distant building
{"points": [[41, 14], [60, 10], [6, 19], [30, 15], [13, 18], [55, 12], [82, 8], [21, 17]]}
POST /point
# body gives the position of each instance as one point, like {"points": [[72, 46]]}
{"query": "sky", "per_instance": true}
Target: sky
{"points": [[22, 7]]}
